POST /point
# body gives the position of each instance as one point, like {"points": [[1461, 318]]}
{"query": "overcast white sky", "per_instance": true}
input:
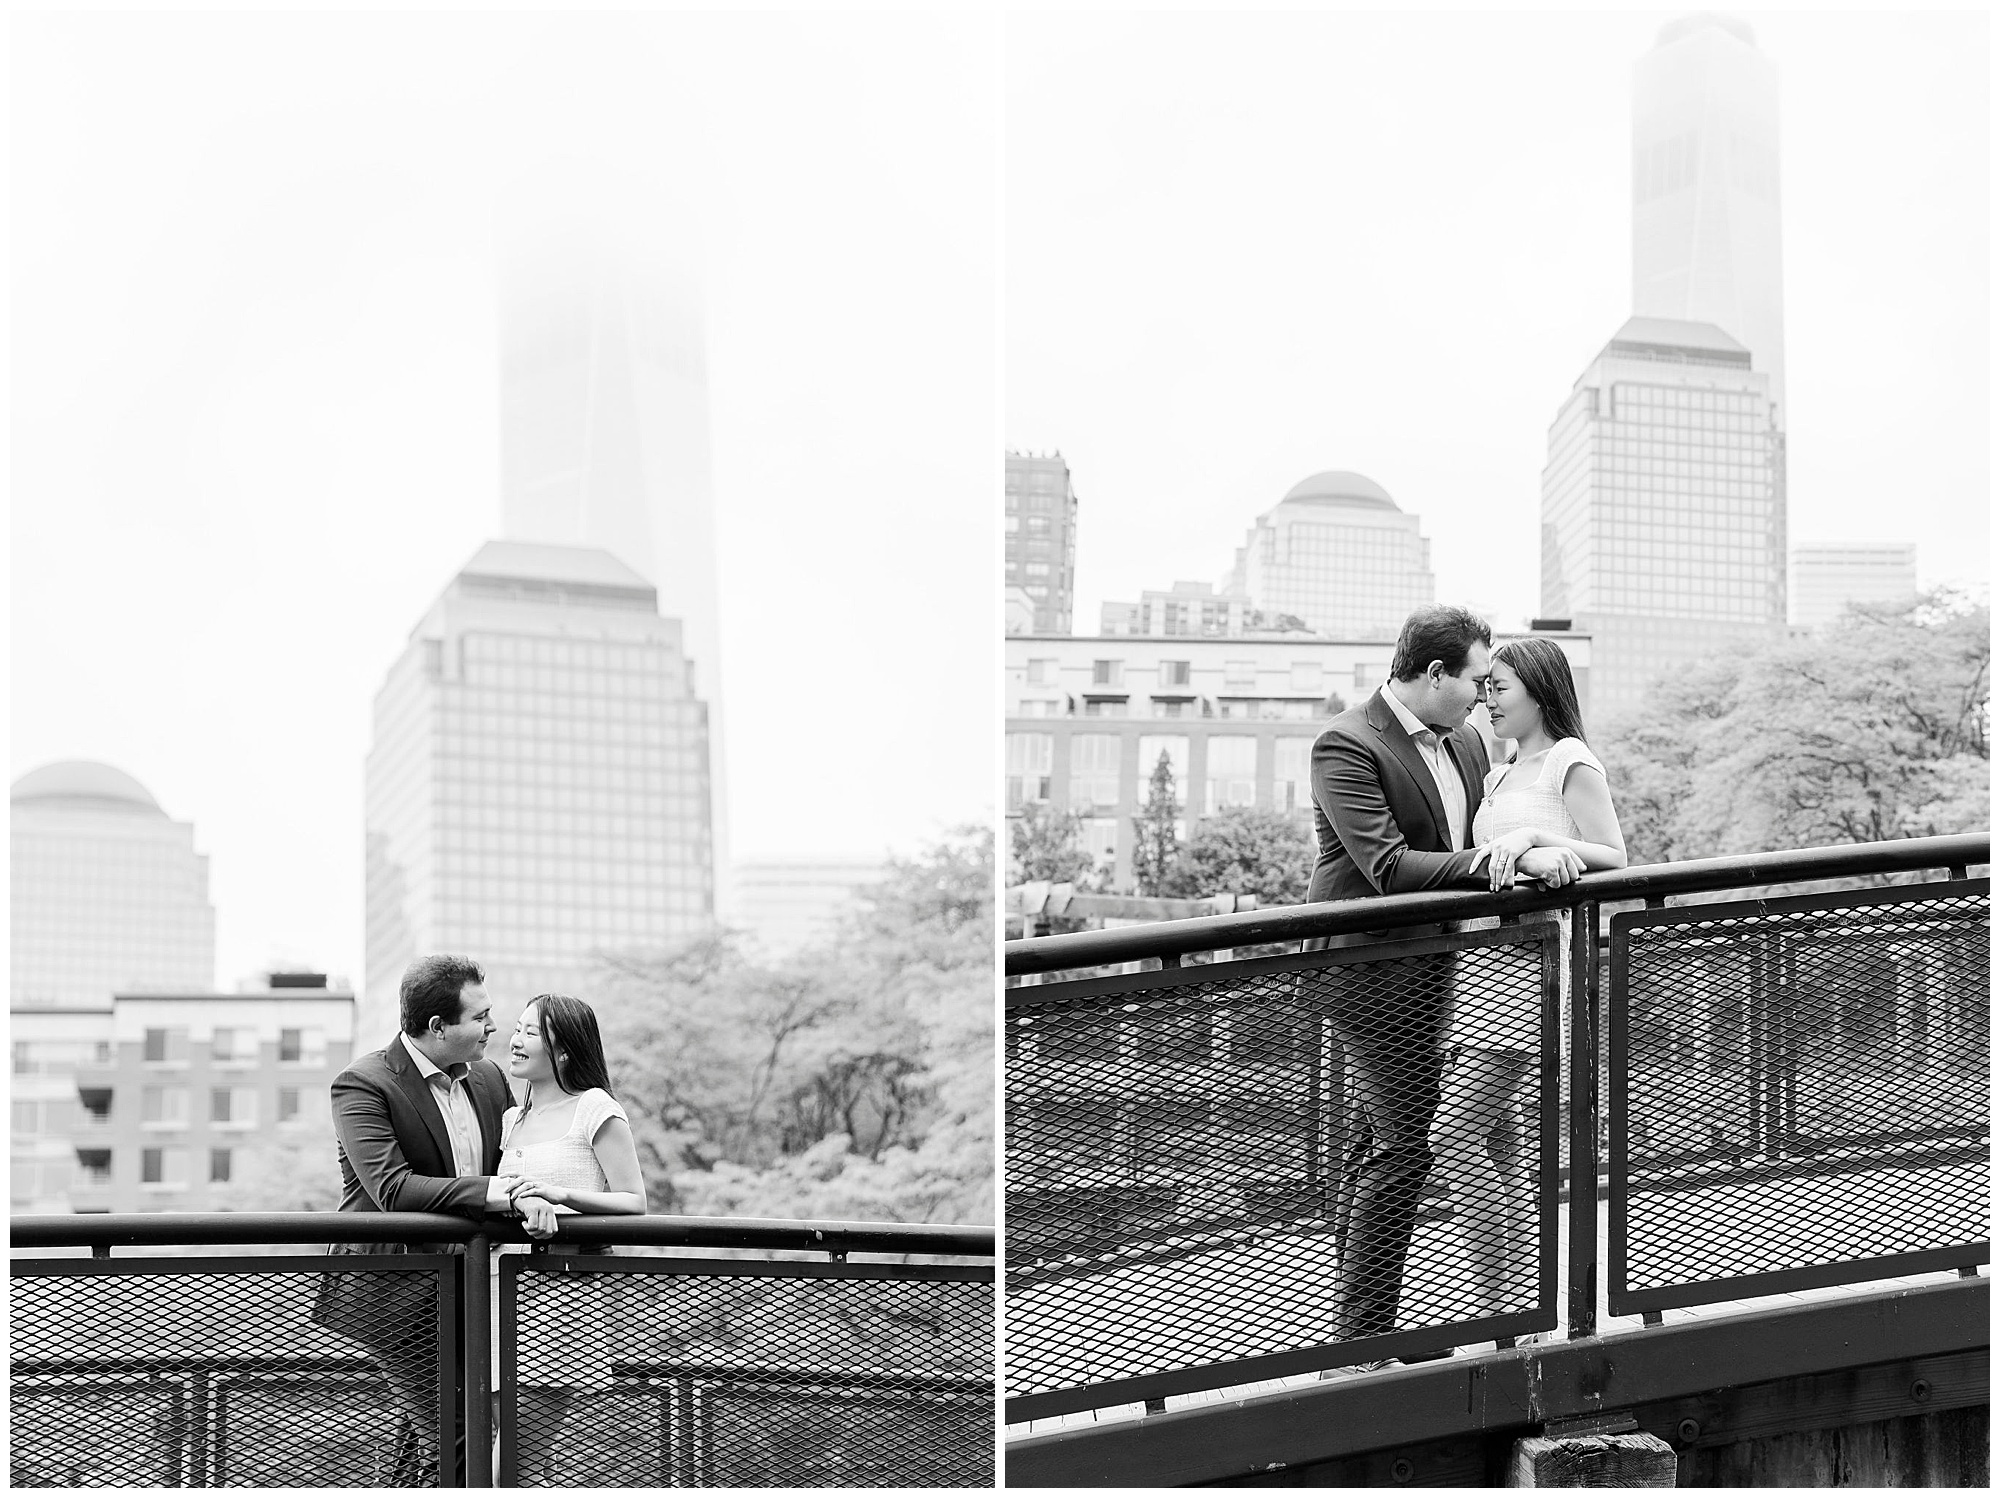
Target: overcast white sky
{"points": [[254, 402], [1245, 248]]}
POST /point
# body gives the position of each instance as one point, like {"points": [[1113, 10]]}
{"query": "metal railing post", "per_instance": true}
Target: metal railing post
{"points": [[1583, 1113], [477, 1372]]}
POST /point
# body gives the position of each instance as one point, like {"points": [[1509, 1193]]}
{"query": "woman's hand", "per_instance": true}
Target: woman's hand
{"points": [[519, 1186], [538, 1216], [1503, 856]]}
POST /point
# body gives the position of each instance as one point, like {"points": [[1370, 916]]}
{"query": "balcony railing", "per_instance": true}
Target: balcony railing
{"points": [[635, 1352], [1793, 1095]]}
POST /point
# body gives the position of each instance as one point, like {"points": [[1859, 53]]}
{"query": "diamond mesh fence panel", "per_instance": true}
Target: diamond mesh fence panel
{"points": [[660, 1372], [1796, 1083], [1277, 1159], [158, 1373]]}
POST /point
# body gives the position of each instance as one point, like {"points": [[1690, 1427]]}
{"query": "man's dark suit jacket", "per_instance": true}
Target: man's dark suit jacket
{"points": [[1376, 810], [395, 1155]]}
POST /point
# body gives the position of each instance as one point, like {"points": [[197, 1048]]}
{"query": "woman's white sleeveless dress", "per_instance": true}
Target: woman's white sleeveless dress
{"points": [[568, 1161], [1507, 806]]}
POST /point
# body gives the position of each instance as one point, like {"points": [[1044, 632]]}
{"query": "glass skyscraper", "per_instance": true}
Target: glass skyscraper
{"points": [[1663, 515], [1339, 555], [1705, 221], [108, 894], [1041, 538], [538, 784]]}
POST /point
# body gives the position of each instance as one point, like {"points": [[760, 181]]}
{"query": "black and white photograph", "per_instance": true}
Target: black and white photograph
{"points": [[502, 963], [1497, 748], [969, 746]]}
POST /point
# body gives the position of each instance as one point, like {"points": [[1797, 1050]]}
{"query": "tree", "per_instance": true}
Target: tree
{"points": [[851, 1079], [1048, 844], [1156, 846], [1874, 728], [1243, 850]]}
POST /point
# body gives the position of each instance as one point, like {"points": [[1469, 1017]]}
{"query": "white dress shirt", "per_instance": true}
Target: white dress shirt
{"points": [[1451, 787], [454, 1099]]}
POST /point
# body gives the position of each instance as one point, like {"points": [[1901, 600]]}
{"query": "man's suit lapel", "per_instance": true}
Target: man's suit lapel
{"points": [[1405, 750], [418, 1091]]}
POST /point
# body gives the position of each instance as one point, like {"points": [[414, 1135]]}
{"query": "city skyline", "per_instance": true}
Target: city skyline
{"points": [[263, 251], [1364, 291]]}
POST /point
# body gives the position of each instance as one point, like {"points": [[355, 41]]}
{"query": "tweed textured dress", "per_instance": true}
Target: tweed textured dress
{"points": [[1511, 802], [568, 1161]]}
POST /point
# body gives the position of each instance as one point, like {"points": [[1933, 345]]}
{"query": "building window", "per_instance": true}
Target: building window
{"points": [[1041, 672], [1030, 760], [26, 1118], [218, 1165], [1171, 708], [1107, 673], [1232, 771], [94, 1165], [1174, 673], [1291, 783], [164, 1106], [156, 1045], [152, 1166], [1305, 676], [1093, 771], [218, 1105], [288, 1104], [291, 1044], [1239, 673]]}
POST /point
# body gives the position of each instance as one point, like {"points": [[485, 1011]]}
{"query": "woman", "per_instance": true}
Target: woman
{"points": [[1551, 793], [568, 1147]]}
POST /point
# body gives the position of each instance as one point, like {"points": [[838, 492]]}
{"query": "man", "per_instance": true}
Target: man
{"points": [[418, 1124], [1396, 782]]}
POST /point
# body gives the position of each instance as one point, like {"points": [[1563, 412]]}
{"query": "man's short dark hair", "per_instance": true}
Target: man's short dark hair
{"points": [[433, 988], [1441, 632]]}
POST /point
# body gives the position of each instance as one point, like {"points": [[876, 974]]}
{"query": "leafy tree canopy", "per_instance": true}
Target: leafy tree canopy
{"points": [[1048, 844], [1244, 850], [736, 1069], [1873, 728]]}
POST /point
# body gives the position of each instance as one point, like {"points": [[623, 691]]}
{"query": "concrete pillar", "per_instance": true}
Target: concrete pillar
{"points": [[1631, 1460]]}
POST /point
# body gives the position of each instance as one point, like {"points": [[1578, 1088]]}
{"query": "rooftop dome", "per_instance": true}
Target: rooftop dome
{"points": [[84, 780], [1337, 487]]}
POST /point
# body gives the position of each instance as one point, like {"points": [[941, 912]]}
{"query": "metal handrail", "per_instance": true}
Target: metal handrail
{"points": [[1043, 954], [108, 1229]]}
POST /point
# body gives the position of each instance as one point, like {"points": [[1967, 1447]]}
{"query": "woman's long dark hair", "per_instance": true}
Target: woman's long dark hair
{"points": [[569, 1034], [1544, 671]]}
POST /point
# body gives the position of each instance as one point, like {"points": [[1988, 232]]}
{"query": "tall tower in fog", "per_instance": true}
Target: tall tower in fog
{"points": [[1705, 240], [604, 434]]}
